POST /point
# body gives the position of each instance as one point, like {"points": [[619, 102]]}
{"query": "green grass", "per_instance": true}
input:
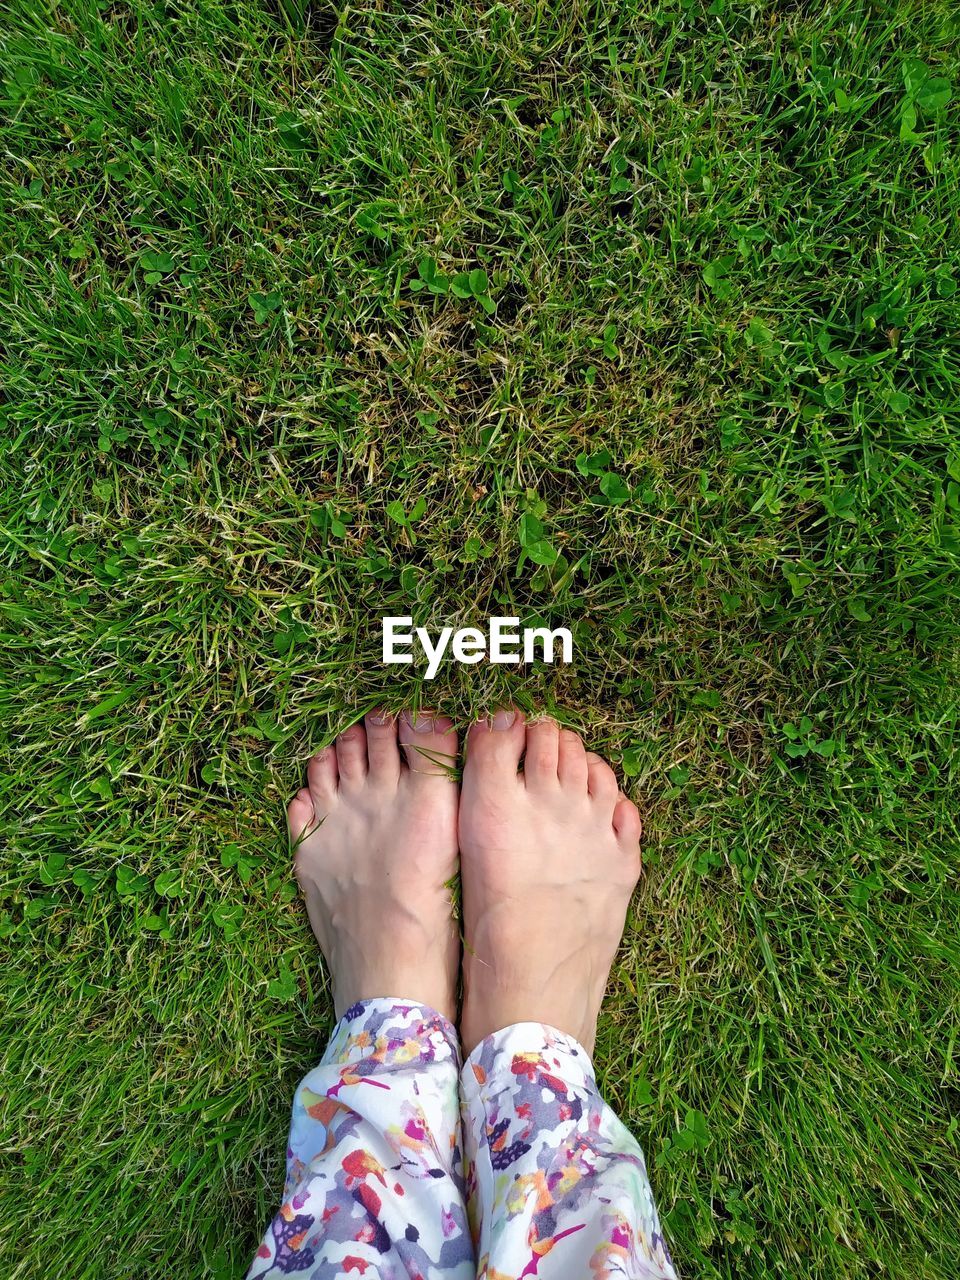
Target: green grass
{"points": [[722, 247]]}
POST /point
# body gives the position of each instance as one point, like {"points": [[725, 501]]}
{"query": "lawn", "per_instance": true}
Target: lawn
{"points": [[637, 316]]}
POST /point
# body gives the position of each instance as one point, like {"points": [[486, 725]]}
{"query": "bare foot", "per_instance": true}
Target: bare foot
{"points": [[375, 832], [549, 858]]}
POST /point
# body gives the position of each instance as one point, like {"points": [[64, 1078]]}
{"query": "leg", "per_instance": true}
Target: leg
{"points": [[549, 858], [374, 1177]]}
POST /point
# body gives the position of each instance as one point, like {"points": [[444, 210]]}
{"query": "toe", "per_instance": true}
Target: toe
{"points": [[627, 822], [541, 760], [572, 761], [602, 781], [383, 753], [301, 815], [322, 779], [494, 748], [429, 746], [628, 828], [352, 755]]}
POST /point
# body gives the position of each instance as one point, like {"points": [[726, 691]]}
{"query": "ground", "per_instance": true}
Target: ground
{"points": [[641, 317]]}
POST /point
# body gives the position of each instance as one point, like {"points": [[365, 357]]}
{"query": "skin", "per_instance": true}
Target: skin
{"points": [[548, 856]]}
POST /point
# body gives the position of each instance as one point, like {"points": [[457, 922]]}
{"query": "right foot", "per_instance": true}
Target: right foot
{"points": [[375, 832], [548, 860]]}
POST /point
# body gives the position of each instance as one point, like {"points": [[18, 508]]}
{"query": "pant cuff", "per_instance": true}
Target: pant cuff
{"points": [[391, 1031], [527, 1051]]}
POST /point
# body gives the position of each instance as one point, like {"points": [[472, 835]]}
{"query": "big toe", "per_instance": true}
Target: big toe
{"points": [[429, 746], [494, 748]]}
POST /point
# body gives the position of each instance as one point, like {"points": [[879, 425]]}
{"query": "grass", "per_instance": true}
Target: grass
{"points": [[709, 380]]}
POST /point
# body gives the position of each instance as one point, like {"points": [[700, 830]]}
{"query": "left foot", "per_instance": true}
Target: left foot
{"points": [[375, 832]]}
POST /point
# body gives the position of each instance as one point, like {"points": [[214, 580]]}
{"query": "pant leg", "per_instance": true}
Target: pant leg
{"points": [[374, 1167], [557, 1186]]}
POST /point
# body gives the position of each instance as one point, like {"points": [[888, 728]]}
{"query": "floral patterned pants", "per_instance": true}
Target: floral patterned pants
{"points": [[402, 1166]]}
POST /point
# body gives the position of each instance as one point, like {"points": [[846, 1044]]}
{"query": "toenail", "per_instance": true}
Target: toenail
{"points": [[379, 717], [504, 718], [422, 724]]}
